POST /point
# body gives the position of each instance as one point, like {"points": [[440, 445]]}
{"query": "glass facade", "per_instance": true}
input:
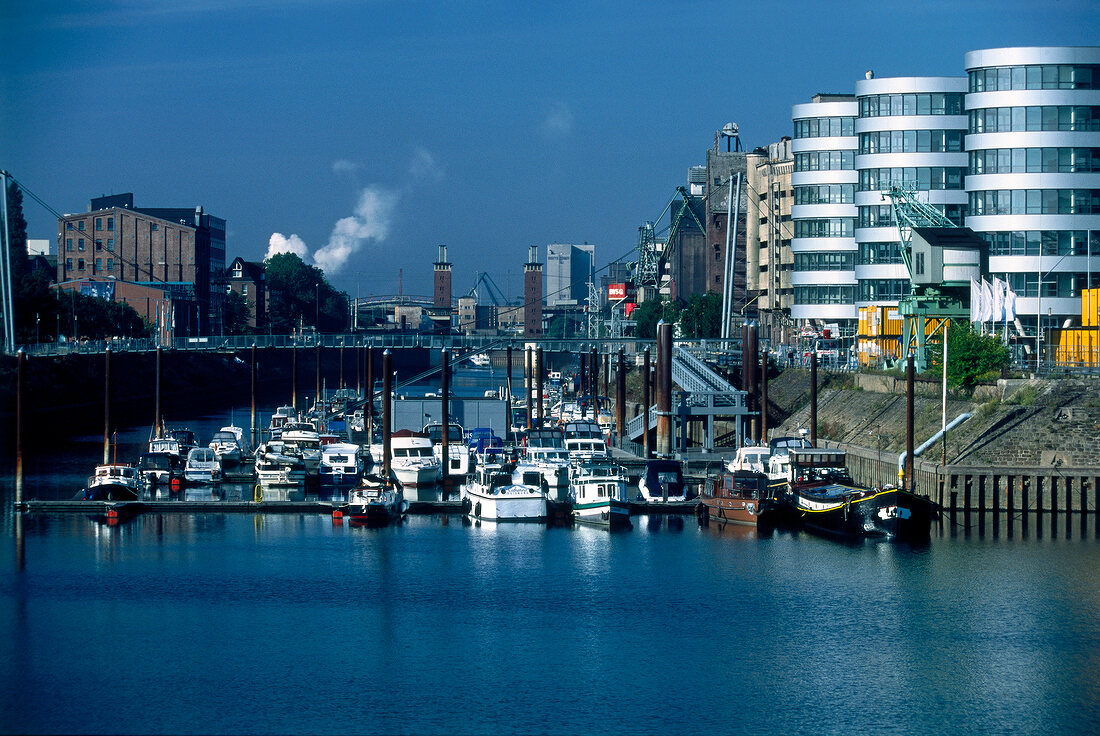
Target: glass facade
{"points": [[1035, 118], [933, 103], [824, 127], [1035, 202], [1034, 160], [1035, 76], [911, 141]]}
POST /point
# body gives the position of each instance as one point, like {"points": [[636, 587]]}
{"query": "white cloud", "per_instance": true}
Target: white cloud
{"points": [[279, 243], [558, 122], [425, 167], [343, 166], [371, 221]]}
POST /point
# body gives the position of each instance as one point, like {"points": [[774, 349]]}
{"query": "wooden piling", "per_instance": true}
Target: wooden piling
{"points": [[106, 404], [156, 402], [368, 408], [508, 375], [528, 382], [620, 398], [387, 390], [764, 396], [294, 378], [445, 392], [20, 376], [813, 396], [317, 364], [540, 374], [341, 384], [910, 377], [252, 413], [646, 400], [664, 389]]}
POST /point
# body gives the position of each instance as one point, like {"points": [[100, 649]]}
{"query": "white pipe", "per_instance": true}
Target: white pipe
{"points": [[931, 440]]}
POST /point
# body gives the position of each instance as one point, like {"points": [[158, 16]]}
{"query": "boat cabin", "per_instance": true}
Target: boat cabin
{"points": [[816, 465]]}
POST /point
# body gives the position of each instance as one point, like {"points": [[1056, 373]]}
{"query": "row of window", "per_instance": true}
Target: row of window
{"points": [[824, 160], [1043, 242], [870, 290], [1054, 284], [1035, 202], [824, 261], [877, 215], [1047, 76], [934, 103], [80, 265], [922, 178], [873, 254], [1034, 117], [834, 227], [824, 127], [98, 244], [911, 141], [821, 294], [1034, 160], [825, 194]]}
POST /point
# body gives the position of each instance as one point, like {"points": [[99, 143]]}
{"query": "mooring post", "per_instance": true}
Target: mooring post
{"points": [[528, 383], [317, 364], [664, 389], [294, 378], [252, 414], [540, 375], [620, 398], [508, 378], [341, 365], [910, 378], [156, 402], [387, 390], [368, 409], [748, 377], [445, 392], [813, 395], [20, 370], [359, 372], [583, 388], [646, 399], [106, 404], [594, 383]]}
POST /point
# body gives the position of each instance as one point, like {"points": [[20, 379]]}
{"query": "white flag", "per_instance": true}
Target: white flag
{"points": [[998, 299], [1010, 303], [975, 301], [987, 301]]}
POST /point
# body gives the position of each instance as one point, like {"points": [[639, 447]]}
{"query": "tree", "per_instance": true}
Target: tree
{"points": [[971, 357], [300, 295], [238, 310], [647, 314], [702, 318], [17, 230]]}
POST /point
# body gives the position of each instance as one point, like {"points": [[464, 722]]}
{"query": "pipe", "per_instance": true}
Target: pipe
{"points": [[931, 440], [445, 390], [387, 391]]}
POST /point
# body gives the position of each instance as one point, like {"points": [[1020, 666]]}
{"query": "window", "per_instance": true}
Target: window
{"points": [[110, 223], [935, 103], [68, 226], [80, 264], [99, 223], [98, 244], [880, 252], [152, 226], [110, 264], [98, 265], [68, 243], [80, 225], [80, 244], [111, 244], [919, 269]]}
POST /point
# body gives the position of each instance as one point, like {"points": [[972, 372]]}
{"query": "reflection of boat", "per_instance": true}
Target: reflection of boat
{"points": [[822, 495], [740, 497], [340, 464], [493, 494], [662, 480], [599, 495], [159, 467], [481, 360], [113, 483], [375, 502], [202, 466], [274, 467]]}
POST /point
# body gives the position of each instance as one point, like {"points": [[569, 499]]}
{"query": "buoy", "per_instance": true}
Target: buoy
{"points": [[174, 485]]}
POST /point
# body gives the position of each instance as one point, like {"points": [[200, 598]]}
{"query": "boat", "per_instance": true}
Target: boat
{"points": [[662, 481], [482, 440], [159, 467], [413, 462], [584, 441], [167, 446], [458, 453], [493, 494], [751, 457], [779, 461], [276, 467], [481, 360], [185, 437], [340, 464], [230, 445], [375, 502], [599, 495], [302, 439], [202, 466], [279, 419], [113, 483], [822, 496], [552, 465], [738, 497]]}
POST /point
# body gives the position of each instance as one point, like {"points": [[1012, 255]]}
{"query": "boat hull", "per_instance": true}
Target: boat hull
{"points": [[423, 475], [734, 510], [371, 514], [888, 514], [610, 513], [506, 507]]}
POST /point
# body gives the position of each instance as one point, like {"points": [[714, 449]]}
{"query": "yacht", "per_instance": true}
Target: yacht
{"points": [[552, 465], [300, 438], [481, 360], [494, 495], [276, 467], [159, 467], [375, 502], [662, 480], [113, 483], [279, 419], [458, 453], [230, 445], [599, 495], [754, 458], [202, 466], [413, 463], [340, 464]]}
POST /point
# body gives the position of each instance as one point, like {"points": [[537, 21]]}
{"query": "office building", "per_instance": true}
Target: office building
{"points": [[568, 268], [768, 234]]}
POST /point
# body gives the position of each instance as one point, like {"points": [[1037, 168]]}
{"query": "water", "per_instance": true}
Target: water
{"points": [[242, 623]]}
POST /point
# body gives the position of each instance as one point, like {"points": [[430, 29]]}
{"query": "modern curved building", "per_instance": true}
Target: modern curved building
{"points": [[824, 211], [910, 130], [1034, 173]]}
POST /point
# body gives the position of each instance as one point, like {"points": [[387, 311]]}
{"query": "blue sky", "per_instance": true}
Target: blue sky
{"points": [[368, 132]]}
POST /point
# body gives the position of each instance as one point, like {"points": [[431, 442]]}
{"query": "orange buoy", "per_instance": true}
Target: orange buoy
{"points": [[337, 516], [174, 485]]}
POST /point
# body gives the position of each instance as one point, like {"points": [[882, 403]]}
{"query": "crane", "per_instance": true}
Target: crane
{"points": [[647, 268], [496, 296]]}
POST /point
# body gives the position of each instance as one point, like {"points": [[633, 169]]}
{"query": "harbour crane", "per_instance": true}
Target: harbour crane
{"points": [[650, 252]]}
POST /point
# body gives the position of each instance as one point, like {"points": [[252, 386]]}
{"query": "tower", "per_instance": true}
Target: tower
{"points": [[532, 295], [441, 310]]}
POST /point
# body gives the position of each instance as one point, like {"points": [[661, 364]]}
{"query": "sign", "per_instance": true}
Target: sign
{"points": [[628, 308], [616, 291], [98, 289]]}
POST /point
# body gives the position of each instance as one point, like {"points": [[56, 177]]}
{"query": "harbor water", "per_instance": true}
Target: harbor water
{"points": [[289, 623]]}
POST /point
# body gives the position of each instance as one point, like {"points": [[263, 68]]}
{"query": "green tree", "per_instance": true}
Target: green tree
{"points": [[238, 310], [17, 230], [98, 319], [647, 314], [702, 318], [971, 357], [300, 295]]}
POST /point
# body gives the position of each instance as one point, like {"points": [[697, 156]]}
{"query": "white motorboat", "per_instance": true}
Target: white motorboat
{"points": [[754, 458], [166, 445], [584, 441], [340, 464], [279, 419], [481, 360], [230, 445], [458, 453], [662, 480], [113, 483], [300, 438], [552, 465], [275, 467], [375, 502], [159, 467], [413, 464], [599, 495], [202, 466], [492, 494]]}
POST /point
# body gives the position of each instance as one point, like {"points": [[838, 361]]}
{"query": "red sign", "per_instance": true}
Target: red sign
{"points": [[628, 308], [616, 291]]}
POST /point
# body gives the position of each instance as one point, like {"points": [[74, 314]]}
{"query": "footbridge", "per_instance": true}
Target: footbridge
{"points": [[704, 395]]}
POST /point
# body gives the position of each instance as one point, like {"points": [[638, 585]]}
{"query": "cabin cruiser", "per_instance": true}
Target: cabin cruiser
{"points": [[159, 467], [113, 483], [481, 360], [552, 465], [340, 464], [412, 463], [738, 497], [279, 419], [458, 453], [185, 437], [754, 458], [375, 502], [167, 446], [230, 445], [493, 494], [300, 438], [779, 459], [599, 495], [662, 480], [202, 466], [276, 467]]}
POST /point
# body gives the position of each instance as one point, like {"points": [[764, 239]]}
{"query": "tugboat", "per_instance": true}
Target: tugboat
{"points": [[599, 495], [821, 494]]}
